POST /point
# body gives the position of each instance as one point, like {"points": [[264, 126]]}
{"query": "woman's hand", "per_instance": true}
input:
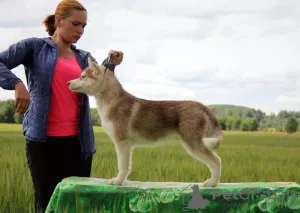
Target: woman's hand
{"points": [[22, 98], [115, 57]]}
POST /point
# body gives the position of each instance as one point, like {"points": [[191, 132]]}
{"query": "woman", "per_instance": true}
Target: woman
{"points": [[57, 122]]}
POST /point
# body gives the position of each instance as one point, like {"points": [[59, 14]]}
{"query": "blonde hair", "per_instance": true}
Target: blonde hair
{"points": [[63, 10]]}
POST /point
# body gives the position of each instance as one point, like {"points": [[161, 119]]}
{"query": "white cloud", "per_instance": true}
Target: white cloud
{"points": [[238, 52], [287, 99], [29, 13]]}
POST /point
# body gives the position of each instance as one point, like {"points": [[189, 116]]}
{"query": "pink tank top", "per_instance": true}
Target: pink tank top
{"points": [[64, 114]]}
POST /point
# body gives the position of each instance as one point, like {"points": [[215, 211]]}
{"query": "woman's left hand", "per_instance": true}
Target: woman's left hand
{"points": [[115, 57]]}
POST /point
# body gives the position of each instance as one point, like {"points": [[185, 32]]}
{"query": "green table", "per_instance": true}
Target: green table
{"points": [[94, 195]]}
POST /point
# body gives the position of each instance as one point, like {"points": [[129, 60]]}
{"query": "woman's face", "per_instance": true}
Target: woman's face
{"points": [[71, 29]]}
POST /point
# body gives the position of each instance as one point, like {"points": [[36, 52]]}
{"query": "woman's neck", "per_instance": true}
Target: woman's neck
{"points": [[64, 47]]}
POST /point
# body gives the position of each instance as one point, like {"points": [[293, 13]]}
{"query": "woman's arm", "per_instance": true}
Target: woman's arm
{"points": [[15, 55]]}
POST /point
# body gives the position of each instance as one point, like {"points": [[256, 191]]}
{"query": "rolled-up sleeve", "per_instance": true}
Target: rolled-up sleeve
{"points": [[14, 56]]}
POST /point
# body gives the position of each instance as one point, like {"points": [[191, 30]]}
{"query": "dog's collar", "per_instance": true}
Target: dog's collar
{"points": [[109, 62]]}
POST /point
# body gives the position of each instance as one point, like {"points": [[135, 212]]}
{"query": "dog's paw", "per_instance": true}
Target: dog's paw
{"points": [[210, 183], [115, 181]]}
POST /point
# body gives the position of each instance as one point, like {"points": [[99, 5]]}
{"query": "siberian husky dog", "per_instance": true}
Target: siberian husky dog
{"points": [[130, 121]]}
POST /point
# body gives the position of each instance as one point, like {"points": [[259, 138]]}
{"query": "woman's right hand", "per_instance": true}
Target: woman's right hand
{"points": [[22, 98]]}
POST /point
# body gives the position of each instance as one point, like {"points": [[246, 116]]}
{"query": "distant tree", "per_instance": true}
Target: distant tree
{"points": [[262, 127], [253, 124], [249, 114], [259, 115], [291, 125], [95, 117], [7, 112], [236, 123], [18, 118], [249, 124], [229, 123], [284, 114], [244, 126], [222, 122]]}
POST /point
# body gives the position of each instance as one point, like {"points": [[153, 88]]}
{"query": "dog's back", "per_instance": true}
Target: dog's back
{"points": [[148, 121]]}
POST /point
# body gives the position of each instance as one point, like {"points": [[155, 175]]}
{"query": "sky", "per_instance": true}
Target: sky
{"points": [[236, 52]]}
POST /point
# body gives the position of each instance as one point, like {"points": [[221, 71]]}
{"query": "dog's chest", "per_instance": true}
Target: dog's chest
{"points": [[106, 124], [108, 128]]}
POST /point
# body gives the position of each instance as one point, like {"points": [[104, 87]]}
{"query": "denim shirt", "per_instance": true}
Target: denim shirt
{"points": [[39, 57]]}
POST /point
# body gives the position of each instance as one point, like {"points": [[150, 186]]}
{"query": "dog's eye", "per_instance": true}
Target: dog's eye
{"points": [[82, 77]]}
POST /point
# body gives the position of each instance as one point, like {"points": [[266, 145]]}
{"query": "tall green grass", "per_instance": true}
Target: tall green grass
{"points": [[246, 157]]}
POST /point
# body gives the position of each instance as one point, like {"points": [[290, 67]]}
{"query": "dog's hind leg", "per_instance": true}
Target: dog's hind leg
{"points": [[209, 157], [124, 155]]}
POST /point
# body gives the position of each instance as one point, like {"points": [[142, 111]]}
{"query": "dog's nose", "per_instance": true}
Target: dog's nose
{"points": [[68, 83]]}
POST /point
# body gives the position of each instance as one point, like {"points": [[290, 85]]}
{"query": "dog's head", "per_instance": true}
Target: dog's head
{"points": [[90, 79]]}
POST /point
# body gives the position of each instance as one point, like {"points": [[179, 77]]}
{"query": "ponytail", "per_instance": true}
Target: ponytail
{"points": [[49, 23]]}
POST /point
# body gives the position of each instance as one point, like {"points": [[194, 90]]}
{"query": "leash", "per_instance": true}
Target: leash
{"points": [[107, 66], [110, 61]]}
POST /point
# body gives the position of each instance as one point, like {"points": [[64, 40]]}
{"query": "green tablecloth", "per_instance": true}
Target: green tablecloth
{"points": [[94, 195]]}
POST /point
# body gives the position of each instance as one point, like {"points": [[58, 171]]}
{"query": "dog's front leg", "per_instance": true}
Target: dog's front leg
{"points": [[124, 155]]}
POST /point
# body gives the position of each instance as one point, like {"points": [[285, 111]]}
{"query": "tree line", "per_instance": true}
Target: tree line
{"points": [[240, 118], [230, 117]]}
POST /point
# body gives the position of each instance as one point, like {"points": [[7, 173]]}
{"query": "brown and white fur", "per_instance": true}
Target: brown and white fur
{"points": [[130, 121]]}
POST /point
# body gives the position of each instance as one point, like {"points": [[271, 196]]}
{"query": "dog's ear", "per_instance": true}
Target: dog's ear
{"points": [[93, 65]]}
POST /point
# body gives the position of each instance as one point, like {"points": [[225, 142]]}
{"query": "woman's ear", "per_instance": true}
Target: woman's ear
{"points": [[57, 21]]}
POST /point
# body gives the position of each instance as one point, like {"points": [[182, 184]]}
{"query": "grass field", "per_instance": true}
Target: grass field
{"points": [[246, 157]]}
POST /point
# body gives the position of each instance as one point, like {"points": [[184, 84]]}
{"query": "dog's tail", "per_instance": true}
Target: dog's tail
{"points": [[213, 142]]}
